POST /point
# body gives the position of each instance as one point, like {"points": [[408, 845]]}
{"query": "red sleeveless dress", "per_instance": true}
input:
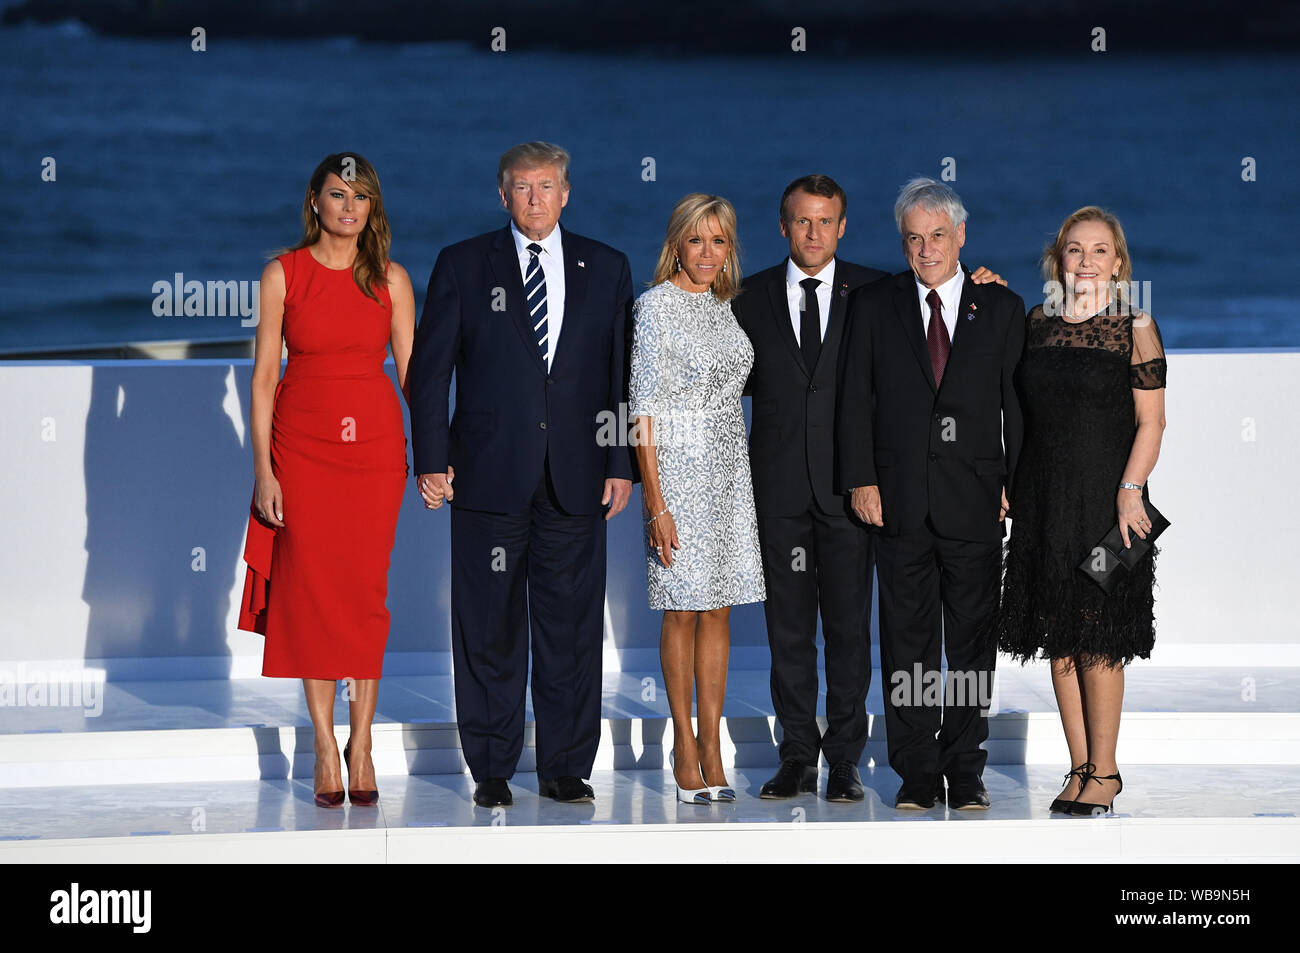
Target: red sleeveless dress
{"points": [[317, 587]]}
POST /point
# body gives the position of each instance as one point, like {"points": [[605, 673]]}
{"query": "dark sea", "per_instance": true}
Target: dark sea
{"points": [[169, 160]]}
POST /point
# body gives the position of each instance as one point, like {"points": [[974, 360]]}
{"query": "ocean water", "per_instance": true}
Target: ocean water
{"points": [[169, 160]]}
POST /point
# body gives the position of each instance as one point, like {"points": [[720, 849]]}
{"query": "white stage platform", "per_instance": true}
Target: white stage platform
{"points": [[1203, 813], [211, 771]]}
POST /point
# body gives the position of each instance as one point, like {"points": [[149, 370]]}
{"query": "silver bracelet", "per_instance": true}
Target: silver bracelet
{"points": [[656, 516], [1130, 486]]}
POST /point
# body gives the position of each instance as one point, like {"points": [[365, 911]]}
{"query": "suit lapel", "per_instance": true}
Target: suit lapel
{"points": [[781, 315], [575, 293], [835, 323], [968, 306], [505, 269], [907, 309]]}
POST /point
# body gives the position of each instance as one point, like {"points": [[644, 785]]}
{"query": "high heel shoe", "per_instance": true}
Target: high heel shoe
{"points": [[697, 796], [1062, 805], [721, 792], [358, 797], [1084, 808], [328, 798]]}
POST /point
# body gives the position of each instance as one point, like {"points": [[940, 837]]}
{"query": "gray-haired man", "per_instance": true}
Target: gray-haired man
{"points": [[928, 432]]}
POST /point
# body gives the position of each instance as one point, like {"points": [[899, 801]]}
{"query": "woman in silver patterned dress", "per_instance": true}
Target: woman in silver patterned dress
{"points": [[690, 360]]}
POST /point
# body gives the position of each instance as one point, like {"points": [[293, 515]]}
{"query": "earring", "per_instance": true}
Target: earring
{"points": [[315, 209], [677, 263], [724, 269]]}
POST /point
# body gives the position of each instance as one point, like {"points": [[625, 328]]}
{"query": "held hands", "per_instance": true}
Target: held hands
{"points": [[435, 488], [616, 496], [866, 503], [269, 500], [663, 537], [1132, 515]]}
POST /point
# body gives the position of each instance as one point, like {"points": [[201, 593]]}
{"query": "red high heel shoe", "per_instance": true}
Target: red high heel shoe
{"points": [[328, 798], [358, 797]]}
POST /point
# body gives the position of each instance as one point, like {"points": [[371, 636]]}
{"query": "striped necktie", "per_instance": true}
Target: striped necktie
{"points": [[535, 294]]}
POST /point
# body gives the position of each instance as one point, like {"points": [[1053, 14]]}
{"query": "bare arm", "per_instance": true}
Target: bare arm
{"points": [[663, 530], [1149, 407], [402, 333], [1147, 377], [266, 375]]}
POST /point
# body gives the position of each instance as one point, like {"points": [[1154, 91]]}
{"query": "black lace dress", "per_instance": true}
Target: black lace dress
{"points": [[1075, 383]]}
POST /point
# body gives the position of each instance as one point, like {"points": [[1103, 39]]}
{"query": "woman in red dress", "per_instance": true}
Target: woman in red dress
{"points": [[329, 461]]}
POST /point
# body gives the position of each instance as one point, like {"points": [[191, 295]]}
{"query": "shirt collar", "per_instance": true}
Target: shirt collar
{"points": [[551, 244], [794, 274], [948, 291]]}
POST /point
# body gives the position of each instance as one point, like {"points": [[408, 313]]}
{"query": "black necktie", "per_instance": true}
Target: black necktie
{"points": [[810, 324]]}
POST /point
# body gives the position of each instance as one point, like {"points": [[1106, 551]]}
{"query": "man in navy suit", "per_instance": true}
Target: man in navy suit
{"points": [[533, 320]]}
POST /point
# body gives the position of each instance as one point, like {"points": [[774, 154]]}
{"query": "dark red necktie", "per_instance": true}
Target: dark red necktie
{"points": [[936, 338]]}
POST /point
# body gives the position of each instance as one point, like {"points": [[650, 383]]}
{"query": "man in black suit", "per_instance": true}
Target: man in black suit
{"points": [[929, 430], [533, 319], [816, 553]]}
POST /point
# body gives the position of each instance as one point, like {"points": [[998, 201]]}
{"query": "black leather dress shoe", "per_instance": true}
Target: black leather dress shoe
{"points": [[494, 792], [790, 780], [919, 794], [568, 790], [967, 793], [844, 783]]}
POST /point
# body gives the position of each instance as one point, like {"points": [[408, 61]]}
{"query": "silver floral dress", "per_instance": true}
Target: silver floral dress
{"points": [[690, 360]]}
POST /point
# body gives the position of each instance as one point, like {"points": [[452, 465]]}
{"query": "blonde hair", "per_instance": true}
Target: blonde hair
{"points": [[1051, 262], [370, 269], [690, 212]]}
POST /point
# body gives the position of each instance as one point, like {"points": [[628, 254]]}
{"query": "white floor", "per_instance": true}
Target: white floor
{"points": [[220, 770], [1166, 812]]}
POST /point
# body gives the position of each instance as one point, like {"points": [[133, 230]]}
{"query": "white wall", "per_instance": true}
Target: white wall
{"points": [[115, 472]]}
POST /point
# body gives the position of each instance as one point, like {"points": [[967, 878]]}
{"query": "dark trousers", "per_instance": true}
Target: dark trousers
{"points": [[936, 592], [546, 567], [813, 561]]}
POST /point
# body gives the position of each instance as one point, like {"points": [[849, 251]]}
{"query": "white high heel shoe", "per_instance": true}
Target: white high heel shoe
{"points": [[722, 792], [699, 796], [684, 796]]}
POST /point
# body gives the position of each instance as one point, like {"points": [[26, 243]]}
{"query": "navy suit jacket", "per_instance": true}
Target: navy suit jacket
{"points": [[510, 412]]}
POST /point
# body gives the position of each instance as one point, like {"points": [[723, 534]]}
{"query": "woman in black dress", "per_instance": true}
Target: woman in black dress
{"points": [[1092, 385]]}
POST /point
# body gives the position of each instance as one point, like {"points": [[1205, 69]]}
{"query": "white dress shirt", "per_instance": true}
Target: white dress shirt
{"points": [[794, 294], [949, 300], [552, 261]]}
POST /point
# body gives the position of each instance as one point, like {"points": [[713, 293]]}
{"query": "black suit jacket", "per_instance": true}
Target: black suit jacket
{"points": [[792, 438], [509, 410], [940, 452]]}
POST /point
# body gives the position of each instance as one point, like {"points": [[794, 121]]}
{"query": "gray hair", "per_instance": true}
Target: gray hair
{"points": [[530, 155], [930, 195]]}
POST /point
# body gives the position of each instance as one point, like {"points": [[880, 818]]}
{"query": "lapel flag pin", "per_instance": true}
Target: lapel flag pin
{"points": [[581, 263]]}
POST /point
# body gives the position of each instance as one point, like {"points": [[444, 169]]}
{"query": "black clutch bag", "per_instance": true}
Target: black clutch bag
{"points": [[1109, 559]]}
